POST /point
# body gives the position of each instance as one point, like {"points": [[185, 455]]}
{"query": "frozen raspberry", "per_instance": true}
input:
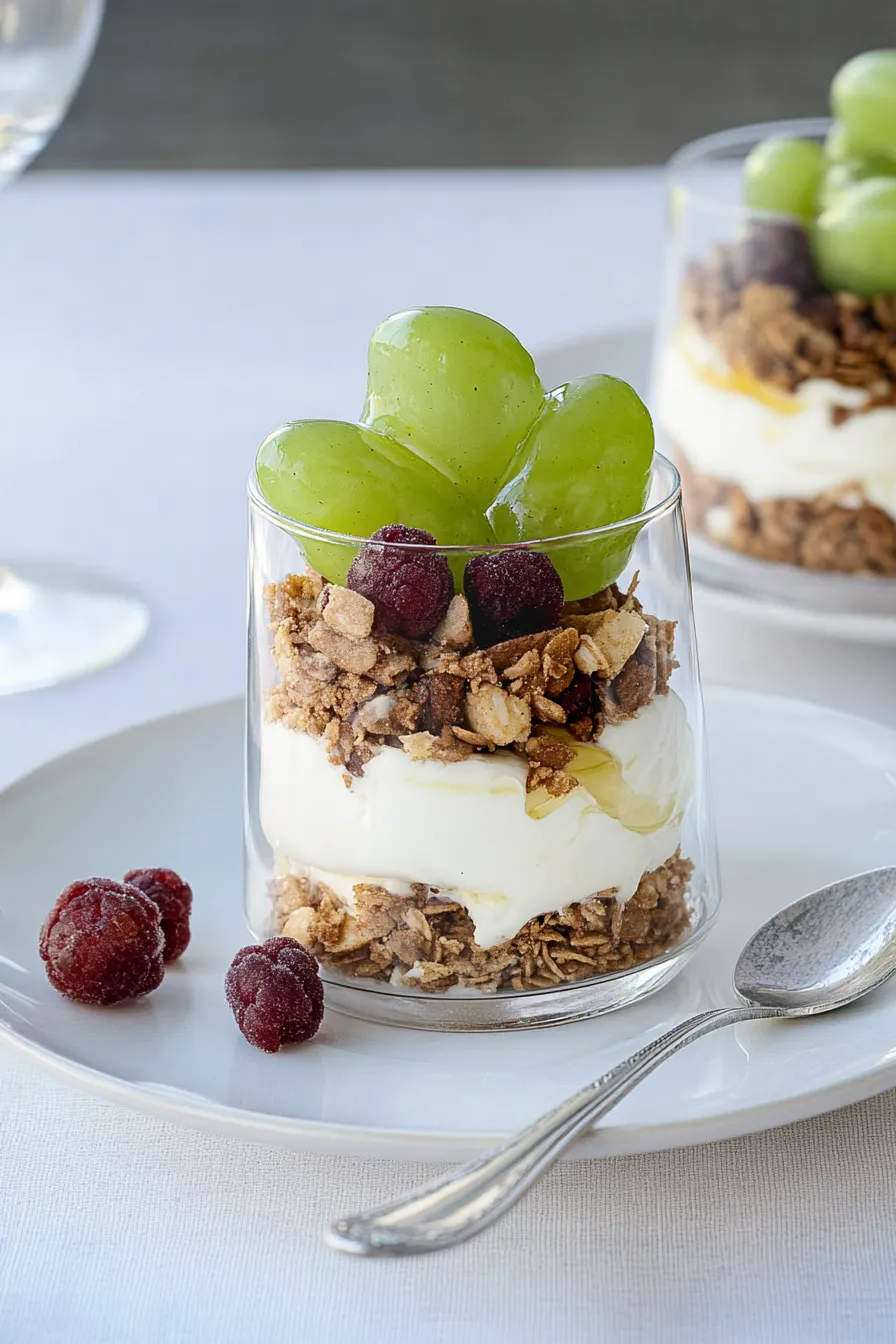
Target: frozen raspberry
{"points": [[174, 899], [576, 699], [512, 593], [275, 993], [102, 942], [410, 590], [775, 253]]}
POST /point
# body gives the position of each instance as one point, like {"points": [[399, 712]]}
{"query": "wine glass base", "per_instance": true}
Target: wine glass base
{"points": [[57, 623]]}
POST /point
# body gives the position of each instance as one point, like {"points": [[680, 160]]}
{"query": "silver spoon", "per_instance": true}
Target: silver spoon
{"points": [[822, 952]]}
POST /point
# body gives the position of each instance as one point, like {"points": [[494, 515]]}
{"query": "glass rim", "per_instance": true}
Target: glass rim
{"points": [[670, 500], [703, 149], [705, 145]]}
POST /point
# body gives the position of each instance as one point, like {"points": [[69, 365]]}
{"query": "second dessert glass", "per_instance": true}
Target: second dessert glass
{"points": [[448, 826], [767, 391]]}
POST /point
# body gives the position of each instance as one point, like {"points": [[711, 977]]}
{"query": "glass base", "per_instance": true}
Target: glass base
{"points": [[57, 623], [473, 1010], [453, 1011]]}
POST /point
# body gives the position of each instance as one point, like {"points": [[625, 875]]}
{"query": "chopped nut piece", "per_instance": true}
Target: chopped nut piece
{"points": [[347, 612], [428, 747], [455, 630], [511, 651], [388, 715], [548, 710], [523, 667], [417, 922], [349, 654], [617, 636], [473, 739], [301, 924], [557, 660], [589, 658], [499, 717]]}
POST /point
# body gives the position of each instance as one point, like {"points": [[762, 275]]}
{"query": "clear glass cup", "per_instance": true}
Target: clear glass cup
{"points": [[466, 880], [55, 622], [757, 375]]}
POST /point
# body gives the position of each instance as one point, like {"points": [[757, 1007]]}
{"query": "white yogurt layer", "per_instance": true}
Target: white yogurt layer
{"points": [[772, 444], [463, 827]]}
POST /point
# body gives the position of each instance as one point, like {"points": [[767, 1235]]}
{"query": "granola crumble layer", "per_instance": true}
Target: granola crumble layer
{"points": [[784, 338], [834, 532], [424, 942], [444, 699]]}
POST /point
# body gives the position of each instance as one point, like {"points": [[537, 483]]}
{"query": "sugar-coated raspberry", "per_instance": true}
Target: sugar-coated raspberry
{"points": [[102, 942], [275, 993], [410, 590], [174, 899], [776, 253], [512, 593]]}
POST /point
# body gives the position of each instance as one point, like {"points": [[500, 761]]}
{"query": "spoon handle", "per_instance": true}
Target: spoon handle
{"points": [[458, 1206]]}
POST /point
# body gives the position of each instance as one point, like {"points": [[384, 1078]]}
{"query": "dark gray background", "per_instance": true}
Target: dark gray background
{"points": [[404, 83]]}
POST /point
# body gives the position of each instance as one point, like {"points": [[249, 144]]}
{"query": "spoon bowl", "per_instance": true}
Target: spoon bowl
{"points": [[824, 951]]}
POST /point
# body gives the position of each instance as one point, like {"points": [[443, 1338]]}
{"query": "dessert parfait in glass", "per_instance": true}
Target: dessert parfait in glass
{"points": [[775, 365], [476, 786]]}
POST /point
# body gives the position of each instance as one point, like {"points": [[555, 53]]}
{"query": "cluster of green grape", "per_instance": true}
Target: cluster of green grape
{"points": [[844, 191], [458, 438]]}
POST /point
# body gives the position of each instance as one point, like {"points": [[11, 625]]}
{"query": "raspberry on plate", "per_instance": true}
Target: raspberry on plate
{"points": [[102, 942], [174, 899], [275, 993], [512, 593], [410, 589]]}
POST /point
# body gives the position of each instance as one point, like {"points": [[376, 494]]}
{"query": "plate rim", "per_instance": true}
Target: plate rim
{"points": [[341, 1138]]}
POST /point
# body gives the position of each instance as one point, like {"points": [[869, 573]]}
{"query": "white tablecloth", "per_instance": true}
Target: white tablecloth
{"points": [[152, 330]]}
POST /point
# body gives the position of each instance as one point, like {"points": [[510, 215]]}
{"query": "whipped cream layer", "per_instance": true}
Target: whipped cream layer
{"points": [[463, 827], [773, 444]]}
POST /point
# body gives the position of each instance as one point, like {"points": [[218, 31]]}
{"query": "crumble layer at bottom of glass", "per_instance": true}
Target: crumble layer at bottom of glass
{"points": [[420, 941], [840, 532]]}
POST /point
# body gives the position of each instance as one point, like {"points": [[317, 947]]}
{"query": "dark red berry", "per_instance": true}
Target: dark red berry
{"points": [[410, 589], [512, 593], [102, 942], [576, 699], [275, 993], [775, 253], [174, 900]]}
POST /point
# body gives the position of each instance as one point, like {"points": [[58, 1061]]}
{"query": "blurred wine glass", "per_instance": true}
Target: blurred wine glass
{"points": [[54, 622]]}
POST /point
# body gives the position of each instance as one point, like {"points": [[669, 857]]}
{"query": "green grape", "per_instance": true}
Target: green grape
{"points": [[457, 388], [584, 463], [839, 176], [854, 240], [838, 146], [783, 176], [863, 98], [347, 478]]}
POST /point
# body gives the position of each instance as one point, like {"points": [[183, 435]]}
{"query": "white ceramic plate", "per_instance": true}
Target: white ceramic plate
{"points": [[836, 605], [804, 796]]}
